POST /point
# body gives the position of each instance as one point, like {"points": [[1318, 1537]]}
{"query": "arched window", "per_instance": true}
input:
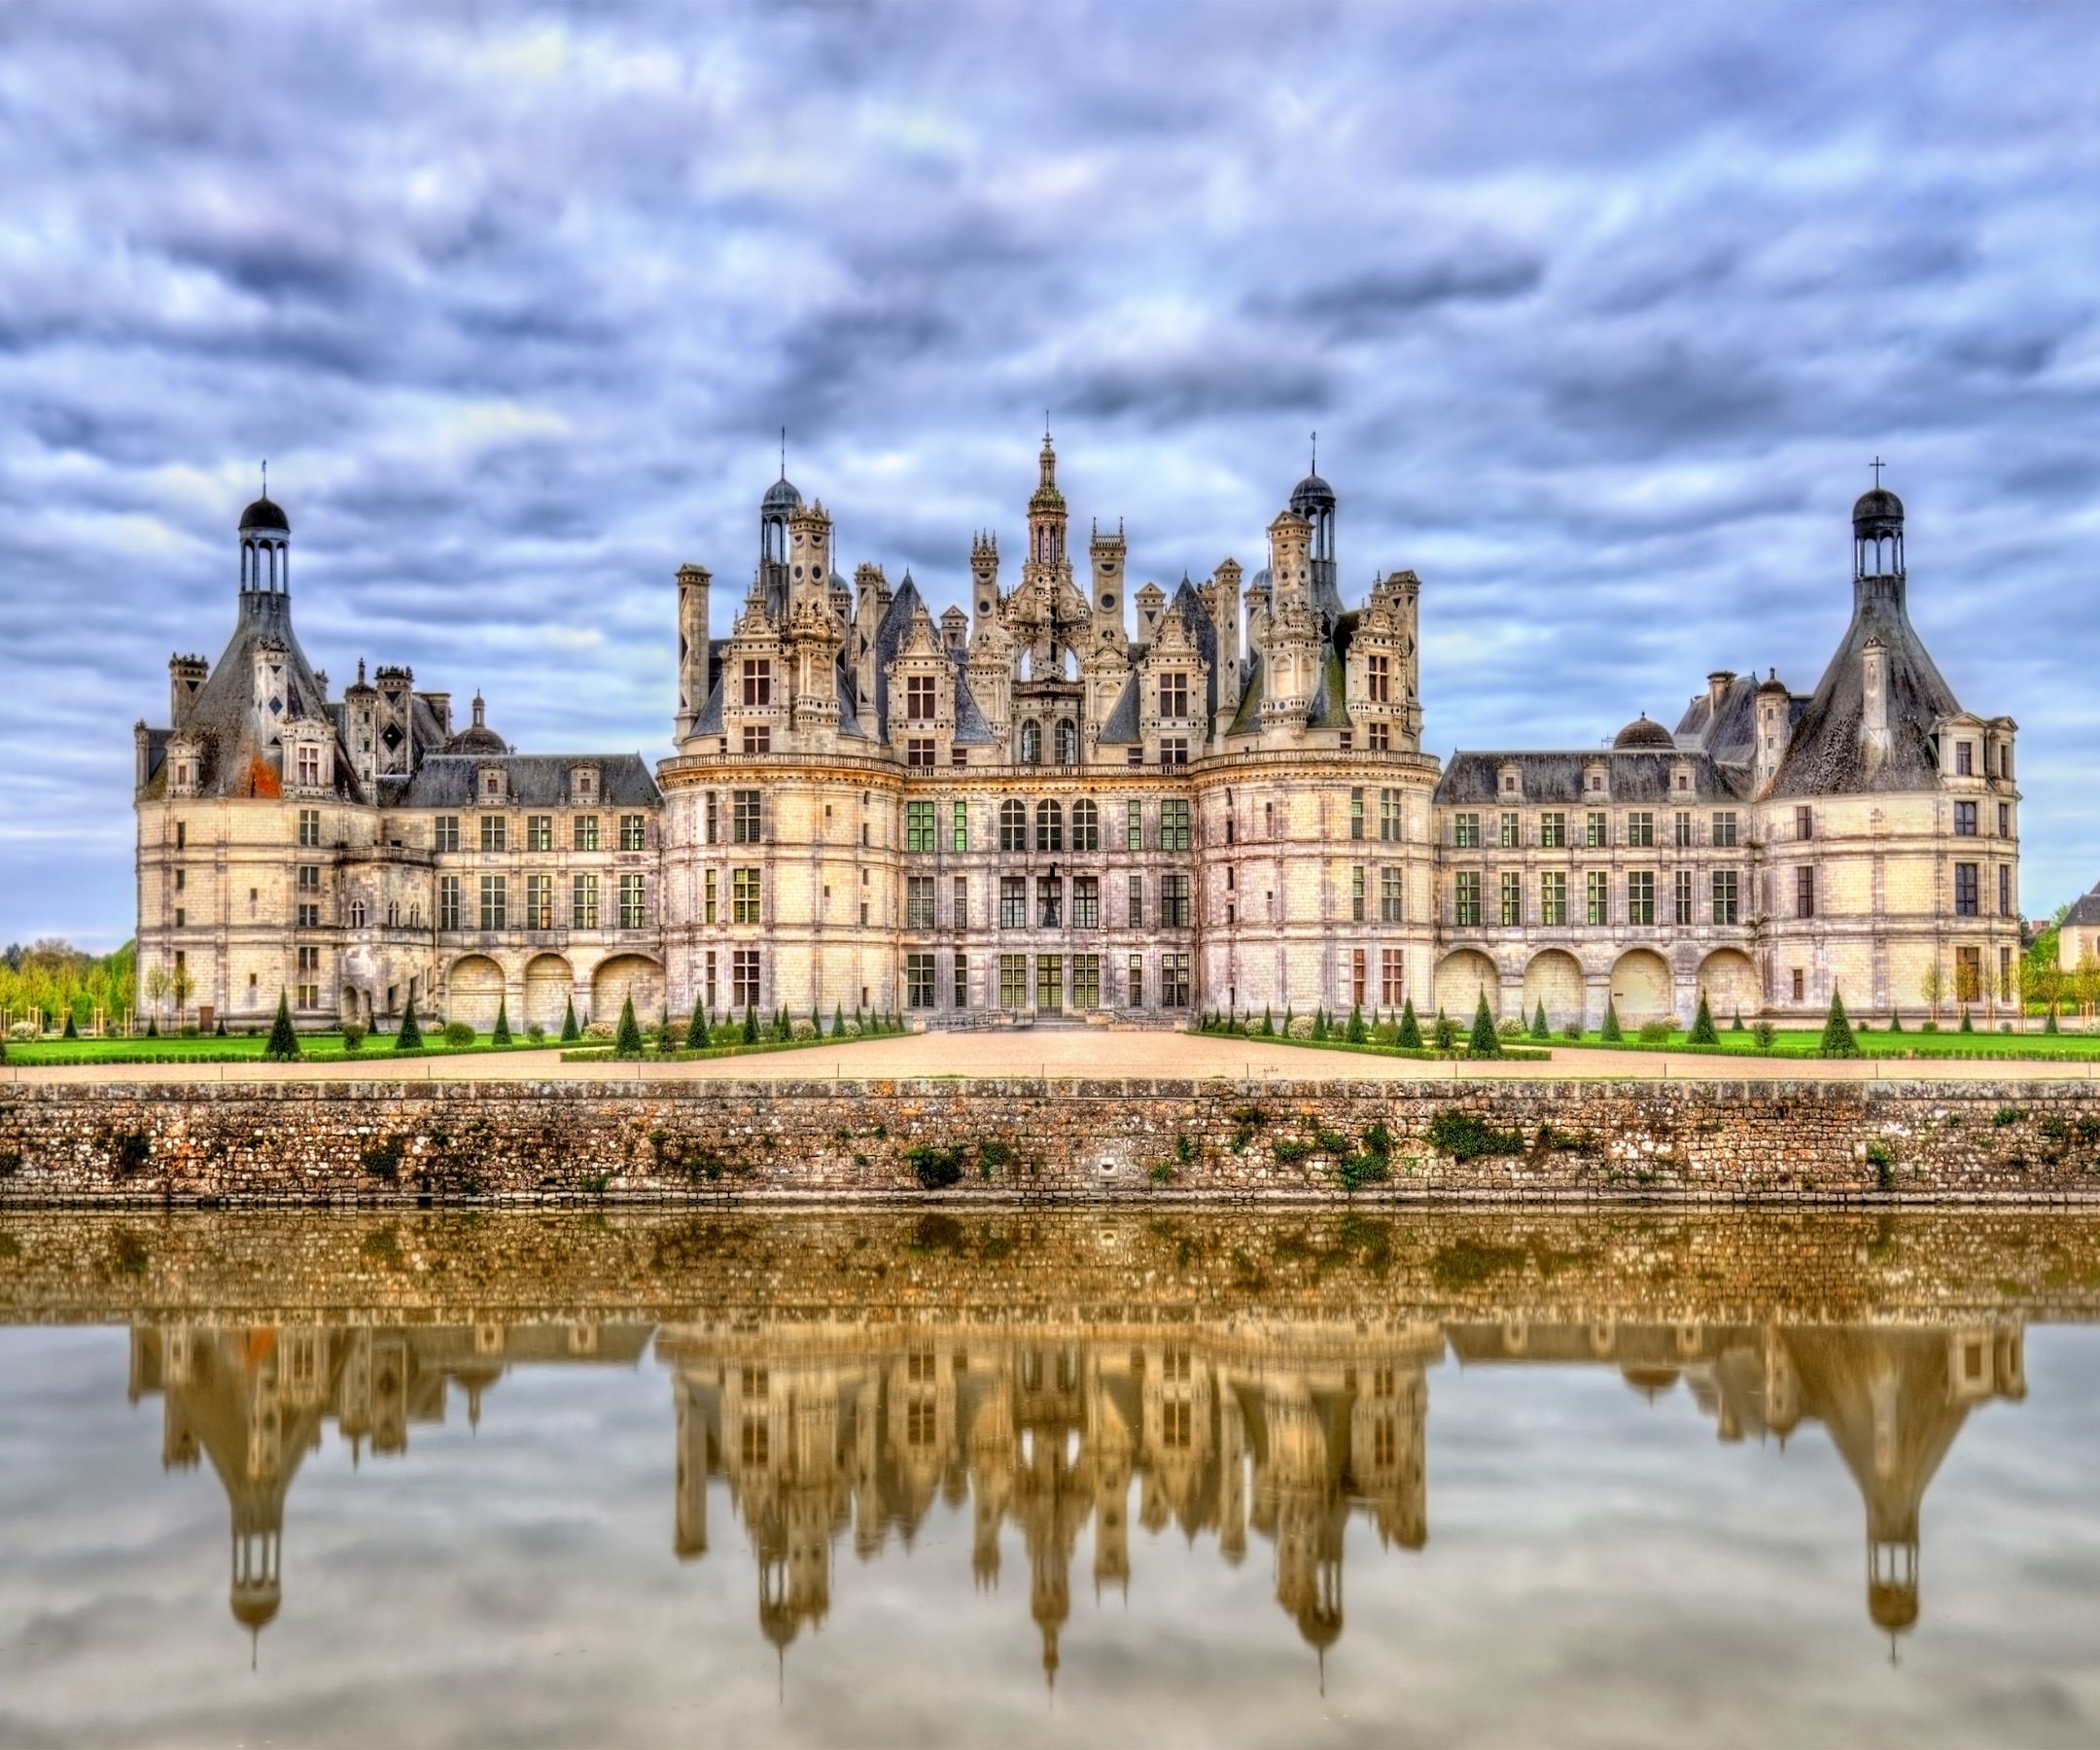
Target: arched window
{"points": [[356, 914], [1085, 824], [1068, 742], [1032, 743], [1049, 826], [393, 913], [1014, 825]]}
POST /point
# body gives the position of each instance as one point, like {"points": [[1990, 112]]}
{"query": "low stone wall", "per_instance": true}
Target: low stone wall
{"points": [[411, 1142]]}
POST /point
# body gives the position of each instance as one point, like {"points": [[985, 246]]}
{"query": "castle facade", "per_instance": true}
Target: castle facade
{"points": [[1071, 801]]}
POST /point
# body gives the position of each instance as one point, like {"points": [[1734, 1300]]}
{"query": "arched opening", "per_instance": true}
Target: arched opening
{"points": [[1462, 978], [1068, 742], [547, 982], [1013, 825], [1085, 825], [1032, 743], [1049, 826], [1553, 978], [1640, 988], [1730, 983], [627, 977], [474, 991]]}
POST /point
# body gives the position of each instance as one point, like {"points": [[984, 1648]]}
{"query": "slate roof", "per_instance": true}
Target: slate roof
{"points": [[534, 781], [1555, 776], [1729, 734], [2085, 909]]}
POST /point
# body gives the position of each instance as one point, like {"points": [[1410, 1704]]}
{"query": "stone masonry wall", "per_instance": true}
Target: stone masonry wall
{"points": [[1029, 1140]]}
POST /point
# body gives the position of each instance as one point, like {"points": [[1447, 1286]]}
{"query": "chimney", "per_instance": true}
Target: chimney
{"points": [[185, 680], [1717, 686], [692, 628], [1874, 692]]}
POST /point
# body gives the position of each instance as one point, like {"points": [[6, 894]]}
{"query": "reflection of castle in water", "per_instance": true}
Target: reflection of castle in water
{"points": [[816, 1434]]}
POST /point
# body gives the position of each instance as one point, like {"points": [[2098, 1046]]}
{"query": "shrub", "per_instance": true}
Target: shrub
{"points": [[409, 1037], [1766, 1034], [353, 1036], [1539, 1029], [1357, 1171], [1657, 1033], [1609, 1033], [1486, 1041], [936, 1167], [1446, 1033], [1931, 1027], [501, 1035], [1703, 1026], [696, 1029], [283, 1046], [1356, 1034], [1837, 1039], [1410, 1034], [569, 1031], [1466, 1135], [458, 1033], [1162, 1173], [1895, 1020], [750, 1025], [599, 1032], [1297, 1027], [1288, 1151], [72, 1031], [1882, 1159], [1967, 1024], [1736, 1026], [1319, 1024], [838, 1021], [807, 1029], [153, 1028], [627, 1038], [2006, 1115]]}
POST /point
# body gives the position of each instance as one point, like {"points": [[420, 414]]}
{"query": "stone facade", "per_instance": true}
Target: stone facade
{"points": [[1071, 801], [1051, 1141]]}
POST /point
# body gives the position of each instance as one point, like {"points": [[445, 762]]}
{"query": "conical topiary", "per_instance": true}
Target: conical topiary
{"points": [[1703, 1026], [220, 1031], [2048, 1026], [501, 1035], [1538, 1021], [1837, 1039], [72, 1031], [1319, 1022], [1895, 1020], [696, 1028], [283, 1046], [1356, 1034], [1410, 1026], [1267, 1026], [838, 1021], [1967, 1024], [153, 1027], [1486, 1041], [409, 1037], [1609, 1033], [627, 1037], [570, 1031], [1736, 1026], [750, 1024]]}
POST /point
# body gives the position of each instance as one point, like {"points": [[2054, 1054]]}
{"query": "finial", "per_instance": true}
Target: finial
{"points": [[1878, 464], [1314, 469], [265, 476], [1046, 425], [784, 452]]}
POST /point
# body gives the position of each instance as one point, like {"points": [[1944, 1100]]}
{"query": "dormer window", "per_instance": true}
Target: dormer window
{"points": [[757, 683], [492, 784], [919, 699], [309, 768], [1173, 697], [1965, 759]]}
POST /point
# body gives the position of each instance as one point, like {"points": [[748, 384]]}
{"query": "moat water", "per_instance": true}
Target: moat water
{"points": [[1184, 1478]]}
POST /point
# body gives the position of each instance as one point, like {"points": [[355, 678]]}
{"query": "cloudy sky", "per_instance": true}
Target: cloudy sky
{"points": [[1600, 314]]}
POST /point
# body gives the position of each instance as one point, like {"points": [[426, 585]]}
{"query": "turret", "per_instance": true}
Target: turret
{"points": [[185, 680], [809, 557], [1773, 727], [1222, 597], [265, 560], [984, 578], [955, 629], [1105, 599], [692, 658]]}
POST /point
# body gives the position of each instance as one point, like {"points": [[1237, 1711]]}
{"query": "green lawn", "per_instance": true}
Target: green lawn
{"points": [[1807, 1042], [314, 1047]]}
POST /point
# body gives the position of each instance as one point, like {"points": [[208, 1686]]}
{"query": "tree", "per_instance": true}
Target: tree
{"points": [[1539, 1029], [283, 1046], [1968, 1026], [570, 1031], [1609, 1033], [1736, 1026], [1319, 1022], [838, 1021], [71, 1030], [1486, 1041], [1356, 1034], [1933, 986], [179, 985], [157, 984], [409, 1036], [627, 1039], [1410, 1026], [750, 1024], [696, 1029], [1703, 1026], [1268, 1023], [501, 1035], [1837, 1039]]}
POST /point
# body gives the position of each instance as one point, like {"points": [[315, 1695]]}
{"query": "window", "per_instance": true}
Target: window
{"points": [[1804, 890], [1086, 981], [1509, 839], [710, 898], [1965, 759], [1964, 889], [309, 770], [448, 902], [919, 904], [714, 819], [1389, 817], [1724, 827], [310, 917], [1465, 898], [1596, 897], [1553, 830], [1137, 901], [919, 753], [1174, 980], [962, 981], [1173, 750], [1377, 736], [1173, 901], [1355, 814], [1013, 981], [309, 877], [1512, 912], [1683, 896], [918, 826], [743, 817], [1013, 902], [2004, 819], [1727, 898], [1136, 984], [1597, 830], [1465, 832], [1552, 897], [1014, 825], [1085, 825], [494, 908], [1390, 900], [538, 902], [1640, 897], [492, 784], [1032, 743], [1965, 819], [1800, 985], [962, 902], [757, 683], [1174, 824], [586, 832], [919, 981], [1804, 822], [1086, 902], [634, 833], [1640, 828], [744, 904], [1378, 679], [958, 835], [919, 705], [1050, 901], [1068, 742], [584, 903], [1172, 697], [182, 834], [538, 833], [1357, 892], [309, 978], [1049, 826], [1357, 961], [758, 738], [585, 783], [309, 825], [1683, 835], [743, 978], [1968, 974], [1391, 978], [2005, 890], [494, 832]]}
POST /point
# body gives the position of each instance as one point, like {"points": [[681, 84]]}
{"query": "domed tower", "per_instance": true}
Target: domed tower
{"points": [[265, 559], [1046, 513], [1878, 533], [776, 510], [1314, 500]]}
